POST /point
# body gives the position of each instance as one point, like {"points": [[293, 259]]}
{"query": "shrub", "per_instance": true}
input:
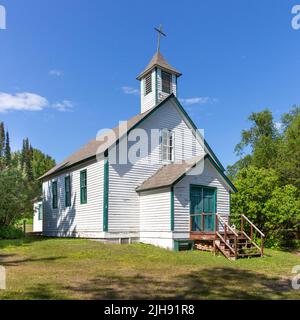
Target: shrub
{"points": [[11, 233]]}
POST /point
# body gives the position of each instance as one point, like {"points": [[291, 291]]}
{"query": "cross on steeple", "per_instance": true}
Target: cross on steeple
{"points": [[159, 33]]}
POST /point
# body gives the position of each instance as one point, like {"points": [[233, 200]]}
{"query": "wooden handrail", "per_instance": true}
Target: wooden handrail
{"points": [[226, 224], [253, 225], [227, 227], [245, 234], [225, 242]]}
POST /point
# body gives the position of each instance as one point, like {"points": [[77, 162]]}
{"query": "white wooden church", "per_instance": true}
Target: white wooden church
{"points": [[161, 199]]}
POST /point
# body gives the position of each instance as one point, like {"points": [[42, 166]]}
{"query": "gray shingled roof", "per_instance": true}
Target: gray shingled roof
{"points": [[90, 149], [168, 175], [158, 61]]}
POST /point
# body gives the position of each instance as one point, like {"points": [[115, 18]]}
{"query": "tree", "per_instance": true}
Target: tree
{"points": [[288, 162], [15, 196], [2, 144], [26, 159], [289, 117], [255, 185], [274, 209], [40, 163], [282, 212], [2, 138], [261, 138], [233, 170], [7, 150]]}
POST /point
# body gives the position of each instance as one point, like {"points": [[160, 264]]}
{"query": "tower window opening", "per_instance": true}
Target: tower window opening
{"points": [[166, 82], [148, 84]]}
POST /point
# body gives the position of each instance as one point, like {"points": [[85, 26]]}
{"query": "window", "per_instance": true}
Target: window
{"points": [[54, 195], [168, 139], [68, 191], [203, 208], [166, 82], [148, 84], [40, 212], [83, 187]]}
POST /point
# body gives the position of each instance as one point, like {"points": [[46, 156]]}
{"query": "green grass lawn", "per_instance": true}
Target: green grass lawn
{"points": [[83, 269]]}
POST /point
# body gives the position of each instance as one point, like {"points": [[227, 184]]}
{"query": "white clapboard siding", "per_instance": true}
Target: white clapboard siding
{"points": [[79, 218], [210, 177], [155, 207], [123, 179]]}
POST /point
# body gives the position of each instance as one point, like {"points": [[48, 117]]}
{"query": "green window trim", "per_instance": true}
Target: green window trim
{"points": [[172, 210], [203, 203], [105, 195], [83, 186], [54, 195], [68, 191]]}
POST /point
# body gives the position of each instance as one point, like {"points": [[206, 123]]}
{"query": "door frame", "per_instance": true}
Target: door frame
{"points": [[215, 189]]}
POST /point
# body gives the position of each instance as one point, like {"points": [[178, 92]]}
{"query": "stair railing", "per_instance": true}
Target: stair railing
{"points": [[227, 229], [253, 227]]}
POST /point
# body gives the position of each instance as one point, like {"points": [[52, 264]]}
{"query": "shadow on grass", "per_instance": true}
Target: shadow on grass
{"points": [[219, 283], [39, 292], [20, 242], [7, 261]]}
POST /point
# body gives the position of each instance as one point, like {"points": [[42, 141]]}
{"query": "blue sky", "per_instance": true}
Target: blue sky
{"points": [[75, 56]]}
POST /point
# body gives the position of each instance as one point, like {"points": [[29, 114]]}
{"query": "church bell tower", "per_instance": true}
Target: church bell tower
{"points": [[158, 80]]}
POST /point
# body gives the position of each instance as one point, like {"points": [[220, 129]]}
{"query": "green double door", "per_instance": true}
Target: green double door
{"points": [[203, 208]]}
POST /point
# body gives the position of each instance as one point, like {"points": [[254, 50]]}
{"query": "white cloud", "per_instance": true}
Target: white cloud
{"points": [[22, 101], [198, 100], [55, 72], [26, 101], [130, 90], [63, 106]]}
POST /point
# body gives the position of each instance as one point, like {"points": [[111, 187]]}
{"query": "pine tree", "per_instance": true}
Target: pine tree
{"points": [[2, 139], [26, 159], [7, 150], [23, 152], [2, 144]]}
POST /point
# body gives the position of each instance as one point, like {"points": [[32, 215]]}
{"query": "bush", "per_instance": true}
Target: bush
{"points": [[11, 233], [272, 208]]}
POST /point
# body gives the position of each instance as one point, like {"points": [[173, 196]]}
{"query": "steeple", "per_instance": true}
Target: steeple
{"points": [[158, 80]]}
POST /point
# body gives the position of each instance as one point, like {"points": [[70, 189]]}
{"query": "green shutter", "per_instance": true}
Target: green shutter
{"points": [[83, 187], [67, 191], [54, 195]]}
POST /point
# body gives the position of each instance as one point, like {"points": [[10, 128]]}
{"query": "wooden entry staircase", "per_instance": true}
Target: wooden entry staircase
{"points": [[234, 244]]}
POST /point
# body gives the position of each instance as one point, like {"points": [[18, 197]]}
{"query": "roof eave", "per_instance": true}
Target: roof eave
{"points": [[142, 75], [207, 156], [138, 190]]}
